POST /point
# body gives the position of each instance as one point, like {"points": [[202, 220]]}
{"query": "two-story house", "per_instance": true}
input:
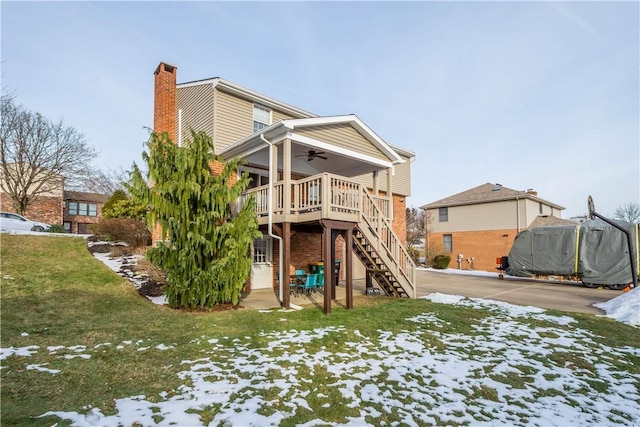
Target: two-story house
{"points": [[478, 225], [327, 187]]}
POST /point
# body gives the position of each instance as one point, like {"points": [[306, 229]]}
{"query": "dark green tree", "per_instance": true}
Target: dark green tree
{"points": [[120, 205], [116, 197], [207, 250]]}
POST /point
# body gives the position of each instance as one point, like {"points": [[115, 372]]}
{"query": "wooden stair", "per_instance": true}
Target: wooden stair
{"points": [[387, 261], [376, 269]]}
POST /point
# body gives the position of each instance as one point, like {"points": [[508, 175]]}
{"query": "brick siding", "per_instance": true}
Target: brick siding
{"points": [[484, 246], [400, 218], [47, 209], [164, 109], [306, 248], [77, 220]]}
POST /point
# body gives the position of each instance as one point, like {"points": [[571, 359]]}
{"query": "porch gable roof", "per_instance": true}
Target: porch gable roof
{"points": [[285, 128]]}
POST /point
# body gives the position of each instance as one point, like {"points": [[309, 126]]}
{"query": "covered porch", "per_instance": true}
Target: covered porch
{"points": [[324, 175]]}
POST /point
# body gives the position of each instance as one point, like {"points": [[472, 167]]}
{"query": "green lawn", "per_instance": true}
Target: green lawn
{"points": [[103, 343]]}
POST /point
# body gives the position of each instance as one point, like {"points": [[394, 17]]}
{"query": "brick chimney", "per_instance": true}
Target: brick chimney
{"points": [[164, 100]]}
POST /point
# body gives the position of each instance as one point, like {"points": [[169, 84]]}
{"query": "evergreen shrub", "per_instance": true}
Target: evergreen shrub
{"points": [[441, 261]]}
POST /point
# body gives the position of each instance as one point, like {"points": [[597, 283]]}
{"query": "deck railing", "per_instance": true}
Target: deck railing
{"points": [[388, 241], [330, 196]]}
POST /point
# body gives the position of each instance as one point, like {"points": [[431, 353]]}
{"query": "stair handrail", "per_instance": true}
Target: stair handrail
{"points": [[373, 216]]}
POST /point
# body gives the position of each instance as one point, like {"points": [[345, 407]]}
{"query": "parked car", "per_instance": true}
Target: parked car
{"points": [[13, 221]]}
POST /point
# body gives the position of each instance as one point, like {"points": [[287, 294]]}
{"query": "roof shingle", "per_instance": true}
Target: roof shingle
{"points": [[486, 193]]}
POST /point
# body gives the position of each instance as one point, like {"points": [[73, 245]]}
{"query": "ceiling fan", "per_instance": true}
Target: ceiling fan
{"points": [[312, 154]]}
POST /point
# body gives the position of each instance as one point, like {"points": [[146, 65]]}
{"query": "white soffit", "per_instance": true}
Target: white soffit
{"points": [[356, 123]]}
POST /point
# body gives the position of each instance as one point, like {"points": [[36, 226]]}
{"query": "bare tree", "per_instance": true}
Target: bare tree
{"points": [[629, 212], [415, 227], [101, 181], [432, 247], [37, 155]]}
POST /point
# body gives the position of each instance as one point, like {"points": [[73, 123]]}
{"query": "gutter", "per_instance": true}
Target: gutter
{"points": [[270, 217]]}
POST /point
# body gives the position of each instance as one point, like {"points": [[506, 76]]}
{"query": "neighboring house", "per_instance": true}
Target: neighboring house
{"points": [[482, 222], [314, 178], [74, 210], [81, 210], [46, 207]]}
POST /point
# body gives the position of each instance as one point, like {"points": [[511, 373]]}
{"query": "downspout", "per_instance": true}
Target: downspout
{"points": [[180, 127], [270, 218], [517, 214]]}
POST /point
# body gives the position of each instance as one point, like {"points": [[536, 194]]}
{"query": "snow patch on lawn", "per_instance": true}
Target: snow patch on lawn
{"points": [[624, 308], [504, 372]]}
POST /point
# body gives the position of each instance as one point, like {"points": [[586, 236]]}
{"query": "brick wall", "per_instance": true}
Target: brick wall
{"points": [[43, 209], [306, 248], [164, 107], [76, 220], [484, 246], [400, 218], [164, 114]]}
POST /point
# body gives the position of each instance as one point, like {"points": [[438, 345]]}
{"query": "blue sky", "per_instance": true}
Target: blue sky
{"points": [[541, 95]]}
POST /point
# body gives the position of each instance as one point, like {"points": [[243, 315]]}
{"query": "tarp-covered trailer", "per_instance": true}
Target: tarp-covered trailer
{"points": [[595, 252]]}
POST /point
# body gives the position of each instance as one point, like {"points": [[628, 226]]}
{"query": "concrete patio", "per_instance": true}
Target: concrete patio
{"points": [[265, 299]]}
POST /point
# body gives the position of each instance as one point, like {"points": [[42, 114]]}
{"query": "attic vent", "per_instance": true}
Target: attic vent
{"points": [[497, 187]]}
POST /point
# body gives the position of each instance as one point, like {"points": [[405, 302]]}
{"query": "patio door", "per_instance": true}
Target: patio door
{"points": [[262, 267]]}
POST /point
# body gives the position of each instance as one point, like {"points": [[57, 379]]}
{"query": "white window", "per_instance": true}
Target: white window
{"points": [[262, 251], [261, 117]]}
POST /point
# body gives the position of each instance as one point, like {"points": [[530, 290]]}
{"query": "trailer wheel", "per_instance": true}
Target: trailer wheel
{"points": [[617, 287], [590, 285]]}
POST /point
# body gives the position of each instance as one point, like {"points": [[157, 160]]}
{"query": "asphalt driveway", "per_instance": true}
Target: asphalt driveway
{"points": [[566, 296]]}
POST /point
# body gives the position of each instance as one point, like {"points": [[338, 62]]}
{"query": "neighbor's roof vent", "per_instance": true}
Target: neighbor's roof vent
{"points": [[497, 187]]}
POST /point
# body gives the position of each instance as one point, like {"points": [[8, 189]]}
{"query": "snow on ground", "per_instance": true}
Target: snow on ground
{"points": [[43, 233], [624, 308], [116, 264], [426, 376]]}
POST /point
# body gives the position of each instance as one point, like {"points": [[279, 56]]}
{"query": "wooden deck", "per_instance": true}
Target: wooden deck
{"points": [[323, 196]]}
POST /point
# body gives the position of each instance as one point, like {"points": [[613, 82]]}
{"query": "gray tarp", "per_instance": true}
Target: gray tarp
{"points": [[601, 255]]}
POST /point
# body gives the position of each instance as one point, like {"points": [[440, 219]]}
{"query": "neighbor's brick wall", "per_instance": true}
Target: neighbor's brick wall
{"points": [[484, 246], [82, 219], [43, 209]]}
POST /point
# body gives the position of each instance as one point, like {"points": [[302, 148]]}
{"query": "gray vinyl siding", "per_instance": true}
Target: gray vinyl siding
{"points": [[345, 136], [400, 181], [234, 117], [196, 103], [276, 116]]}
